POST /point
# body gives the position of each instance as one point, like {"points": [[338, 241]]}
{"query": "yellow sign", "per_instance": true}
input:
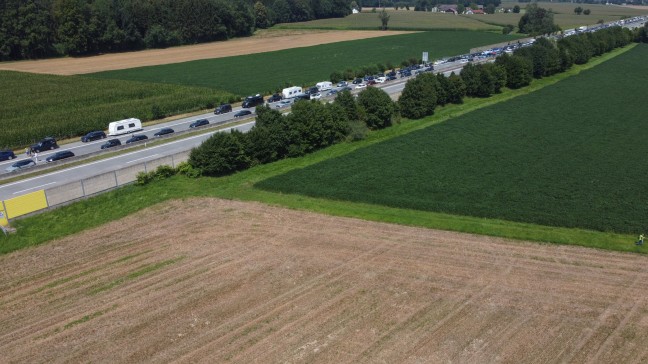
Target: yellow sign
{"points": [[25, 204], [3, 216]]}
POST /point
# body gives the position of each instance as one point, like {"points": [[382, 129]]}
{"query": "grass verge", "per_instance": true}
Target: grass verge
{"points": [[125, 201]]}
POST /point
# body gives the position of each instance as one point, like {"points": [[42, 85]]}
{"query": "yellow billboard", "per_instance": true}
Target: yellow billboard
{"points": [[25, 204]]}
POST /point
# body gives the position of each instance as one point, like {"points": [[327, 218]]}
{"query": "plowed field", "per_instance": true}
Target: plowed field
{"points": [[208, 280], [152, 57]]}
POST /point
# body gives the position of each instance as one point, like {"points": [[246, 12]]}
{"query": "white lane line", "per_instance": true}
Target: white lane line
{"points": [[139, 159], [33, 188], [122, 155]]}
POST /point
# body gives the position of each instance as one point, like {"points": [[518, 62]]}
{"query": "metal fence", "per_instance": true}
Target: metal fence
{"points": [[107, 181]]}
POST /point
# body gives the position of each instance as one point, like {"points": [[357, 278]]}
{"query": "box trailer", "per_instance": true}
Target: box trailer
{"points": [[291, 92], [324, 86], [124, 126]]}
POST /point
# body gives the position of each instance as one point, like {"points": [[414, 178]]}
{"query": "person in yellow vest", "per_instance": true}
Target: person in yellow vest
{"points": [[641, 239]]}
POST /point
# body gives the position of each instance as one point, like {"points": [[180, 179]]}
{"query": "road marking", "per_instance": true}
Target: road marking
{"points": [[33, 188], [139, 159], [123, 155]]}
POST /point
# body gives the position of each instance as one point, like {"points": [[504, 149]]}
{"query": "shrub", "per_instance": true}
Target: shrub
{"points": [[188, 170], [221, 154], [419, 96]]}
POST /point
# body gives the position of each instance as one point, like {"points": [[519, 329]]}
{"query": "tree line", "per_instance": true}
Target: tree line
{"points": [[312, 125], [45, 28]]}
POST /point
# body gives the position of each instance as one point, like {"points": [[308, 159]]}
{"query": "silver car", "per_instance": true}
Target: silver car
{"points": [[25, 163]]}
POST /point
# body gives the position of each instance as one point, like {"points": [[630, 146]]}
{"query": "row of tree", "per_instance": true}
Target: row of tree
{"points": [[44, 28], [310, 126]]}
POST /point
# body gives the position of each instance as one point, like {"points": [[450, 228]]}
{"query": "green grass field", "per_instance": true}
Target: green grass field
{"points": [[268, 72], [33, 106], [570, 155], [399, 20]]}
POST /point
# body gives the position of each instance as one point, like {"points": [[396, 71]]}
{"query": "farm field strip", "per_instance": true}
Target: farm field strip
{"points": [[290, 285], [271, 71], [264, 42], [571, 165], [405, 20]]}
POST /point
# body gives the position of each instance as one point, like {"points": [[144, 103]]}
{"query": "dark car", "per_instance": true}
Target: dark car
{"points": [[111, 143], [332, 92], [371, 82], [93, 135], [59, 155], [164, 131], [6, 155], [252, 101], [301, 97], [25, 163], [274, 98], [345, 88], [48, 143], [200, 122], [357, 81], [242, 113], [391, 77], [222, 109], [136, 138]]}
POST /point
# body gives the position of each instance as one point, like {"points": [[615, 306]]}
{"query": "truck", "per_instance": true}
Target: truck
{"points": [[124, 126], [291, 92], [324, 86]]}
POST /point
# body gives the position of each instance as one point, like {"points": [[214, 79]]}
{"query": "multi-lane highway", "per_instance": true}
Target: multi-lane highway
{"points": [[79, 172]]}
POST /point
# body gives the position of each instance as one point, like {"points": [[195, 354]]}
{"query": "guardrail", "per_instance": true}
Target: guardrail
{"points": [[61, 195]]}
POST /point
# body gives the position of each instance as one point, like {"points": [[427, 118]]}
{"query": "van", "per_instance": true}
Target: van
{"points": [[324, 86], [124, 126], [290, 92], [252, 101]]}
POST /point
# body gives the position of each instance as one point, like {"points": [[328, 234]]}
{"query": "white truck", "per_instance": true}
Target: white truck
{"points": [[292, 92], [324, 86], [124, 126]]}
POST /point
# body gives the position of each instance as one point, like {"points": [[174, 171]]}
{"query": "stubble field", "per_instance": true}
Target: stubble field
{"points": [[207, 280]]}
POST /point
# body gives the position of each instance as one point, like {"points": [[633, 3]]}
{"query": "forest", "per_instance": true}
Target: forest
{"points": [[47, 28]]}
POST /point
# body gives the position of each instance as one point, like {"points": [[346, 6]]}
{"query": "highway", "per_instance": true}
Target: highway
{"points": [[79, 172]]}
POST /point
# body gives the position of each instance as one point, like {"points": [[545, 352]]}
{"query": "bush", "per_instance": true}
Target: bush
{"points": [[220, 155], [162, 172], [358, 130], [188, 170], [508, 29], [336, 76]]}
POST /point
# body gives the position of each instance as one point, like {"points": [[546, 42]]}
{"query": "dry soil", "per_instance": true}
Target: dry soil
{"points": [[208, 280], [264, 42]]}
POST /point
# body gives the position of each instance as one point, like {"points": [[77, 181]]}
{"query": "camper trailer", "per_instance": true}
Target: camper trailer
{"points": [[124, 126], [324, 86], [291, 92]]}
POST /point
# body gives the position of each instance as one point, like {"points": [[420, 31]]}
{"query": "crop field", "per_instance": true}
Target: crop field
{"points": [[276, 285], [271, 71], [597, 10], [399, 20], [33, 106], [565, 21], [570, 155]]}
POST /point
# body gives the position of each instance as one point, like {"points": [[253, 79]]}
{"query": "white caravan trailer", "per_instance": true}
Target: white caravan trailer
{"points": [[124, 126], [324, 86], [291, 92]]}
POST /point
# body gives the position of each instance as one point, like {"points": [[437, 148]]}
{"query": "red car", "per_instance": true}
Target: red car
{"points": [[371, 82]]}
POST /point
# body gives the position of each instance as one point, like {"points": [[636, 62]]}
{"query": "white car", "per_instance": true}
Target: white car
{"points": [[283, 103], [361, 85], [316, 96], [381, 79]]}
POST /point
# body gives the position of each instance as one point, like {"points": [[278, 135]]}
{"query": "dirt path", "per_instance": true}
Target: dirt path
{"points": [[264, 42], [217, 281]]}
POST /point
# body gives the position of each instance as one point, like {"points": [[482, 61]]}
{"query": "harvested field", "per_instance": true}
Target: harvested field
{"points": [[220, 280], [153, 57]]}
